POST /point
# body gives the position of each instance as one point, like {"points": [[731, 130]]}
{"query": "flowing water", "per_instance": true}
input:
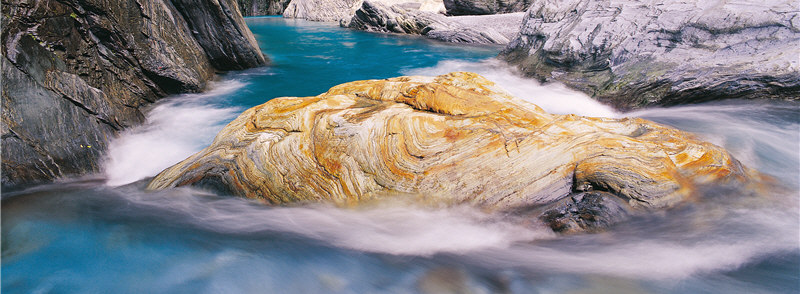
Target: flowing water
{"points": [[105, 234]]}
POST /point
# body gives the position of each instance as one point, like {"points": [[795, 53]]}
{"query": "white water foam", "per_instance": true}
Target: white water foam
{"points": [[396, 228], [552, 97], [175, 128], [718, 237]]}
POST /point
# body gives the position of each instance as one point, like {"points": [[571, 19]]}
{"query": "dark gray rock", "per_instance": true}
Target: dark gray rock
{"points": [[212, 24], [76, 72], [483, 7], [262, 7], [376, 17], [586, 211], [633, 53]]}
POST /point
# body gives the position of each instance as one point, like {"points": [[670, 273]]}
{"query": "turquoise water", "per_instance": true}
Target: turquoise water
{"points": [[104, 234], [308, 58]]}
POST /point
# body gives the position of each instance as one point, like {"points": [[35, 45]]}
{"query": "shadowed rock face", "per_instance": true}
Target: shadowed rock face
{"points": [[454, 139], [75, 72], [636, 53]]}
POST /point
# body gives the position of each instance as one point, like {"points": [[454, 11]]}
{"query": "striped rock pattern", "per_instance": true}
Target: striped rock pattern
{"points": [[454, 139]]}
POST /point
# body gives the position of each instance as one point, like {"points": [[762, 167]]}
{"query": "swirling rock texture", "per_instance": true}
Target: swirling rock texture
{"points": [[482, 7], [262, 7], [75, 72], [374, 16], [637, 53], [455, 139]]}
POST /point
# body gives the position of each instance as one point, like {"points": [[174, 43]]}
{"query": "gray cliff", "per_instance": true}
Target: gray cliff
{"points": [[636, 53], [76, 72], [262, 7], [481, 7]]}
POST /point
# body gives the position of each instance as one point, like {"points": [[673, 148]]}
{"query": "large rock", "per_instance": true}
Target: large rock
{"points": [[455, 139], [262, 7], [76, 72], [374, 16], [481, 7], [636, 53], [343, 10]]}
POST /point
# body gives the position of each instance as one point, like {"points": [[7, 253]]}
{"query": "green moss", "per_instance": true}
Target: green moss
{"points": [[73, 15]]}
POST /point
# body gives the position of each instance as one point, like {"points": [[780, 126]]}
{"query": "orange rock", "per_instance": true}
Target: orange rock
{"points": [[452, 139]]}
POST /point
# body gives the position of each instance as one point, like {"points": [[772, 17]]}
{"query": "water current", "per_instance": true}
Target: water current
{"points": [[104, 234]]}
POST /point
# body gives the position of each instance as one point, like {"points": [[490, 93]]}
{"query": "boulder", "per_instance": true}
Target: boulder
{"points": [[262, 7], [75, 73], [638, 53], [451, 140], [321, 10], [343, 10], [483, 7], [374, 16]]}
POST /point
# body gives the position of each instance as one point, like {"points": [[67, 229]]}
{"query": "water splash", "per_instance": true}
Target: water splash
{"points": [[175, 129]]}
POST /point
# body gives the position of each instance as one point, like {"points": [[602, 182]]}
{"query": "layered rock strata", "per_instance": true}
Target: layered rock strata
{"points": [[482, 7], [374, 16], [637, 53], [455, 139], [77, 72], [262, 7]]}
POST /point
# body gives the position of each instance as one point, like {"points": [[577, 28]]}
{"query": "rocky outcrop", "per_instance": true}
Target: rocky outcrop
{"points": [[482, 7], [637, 53], [262, 7], [320, 10], [75, 72], [343, 10], [376, 17], [455, 139]]}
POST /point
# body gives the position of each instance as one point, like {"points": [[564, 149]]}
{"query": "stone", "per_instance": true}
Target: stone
{"points": [[343, 10], [636, 53], [321, 10], [262, 7], [455, 139], [483, 7], [374, 16], [75, 73]]}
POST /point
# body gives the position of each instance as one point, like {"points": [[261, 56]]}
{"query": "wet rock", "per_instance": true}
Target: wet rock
{"points": [[455, 139], [75, 73], [482, 7], [376, 17], [633, 53]]}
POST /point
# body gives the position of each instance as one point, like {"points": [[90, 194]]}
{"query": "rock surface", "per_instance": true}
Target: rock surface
{"points": [[374, 16], [637, 53], [76, 72], [343, 10], [481, 7], [454, 139], [262, 7]]}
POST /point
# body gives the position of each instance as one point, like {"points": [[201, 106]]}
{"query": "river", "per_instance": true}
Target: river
{"points": [[104, 234]]}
